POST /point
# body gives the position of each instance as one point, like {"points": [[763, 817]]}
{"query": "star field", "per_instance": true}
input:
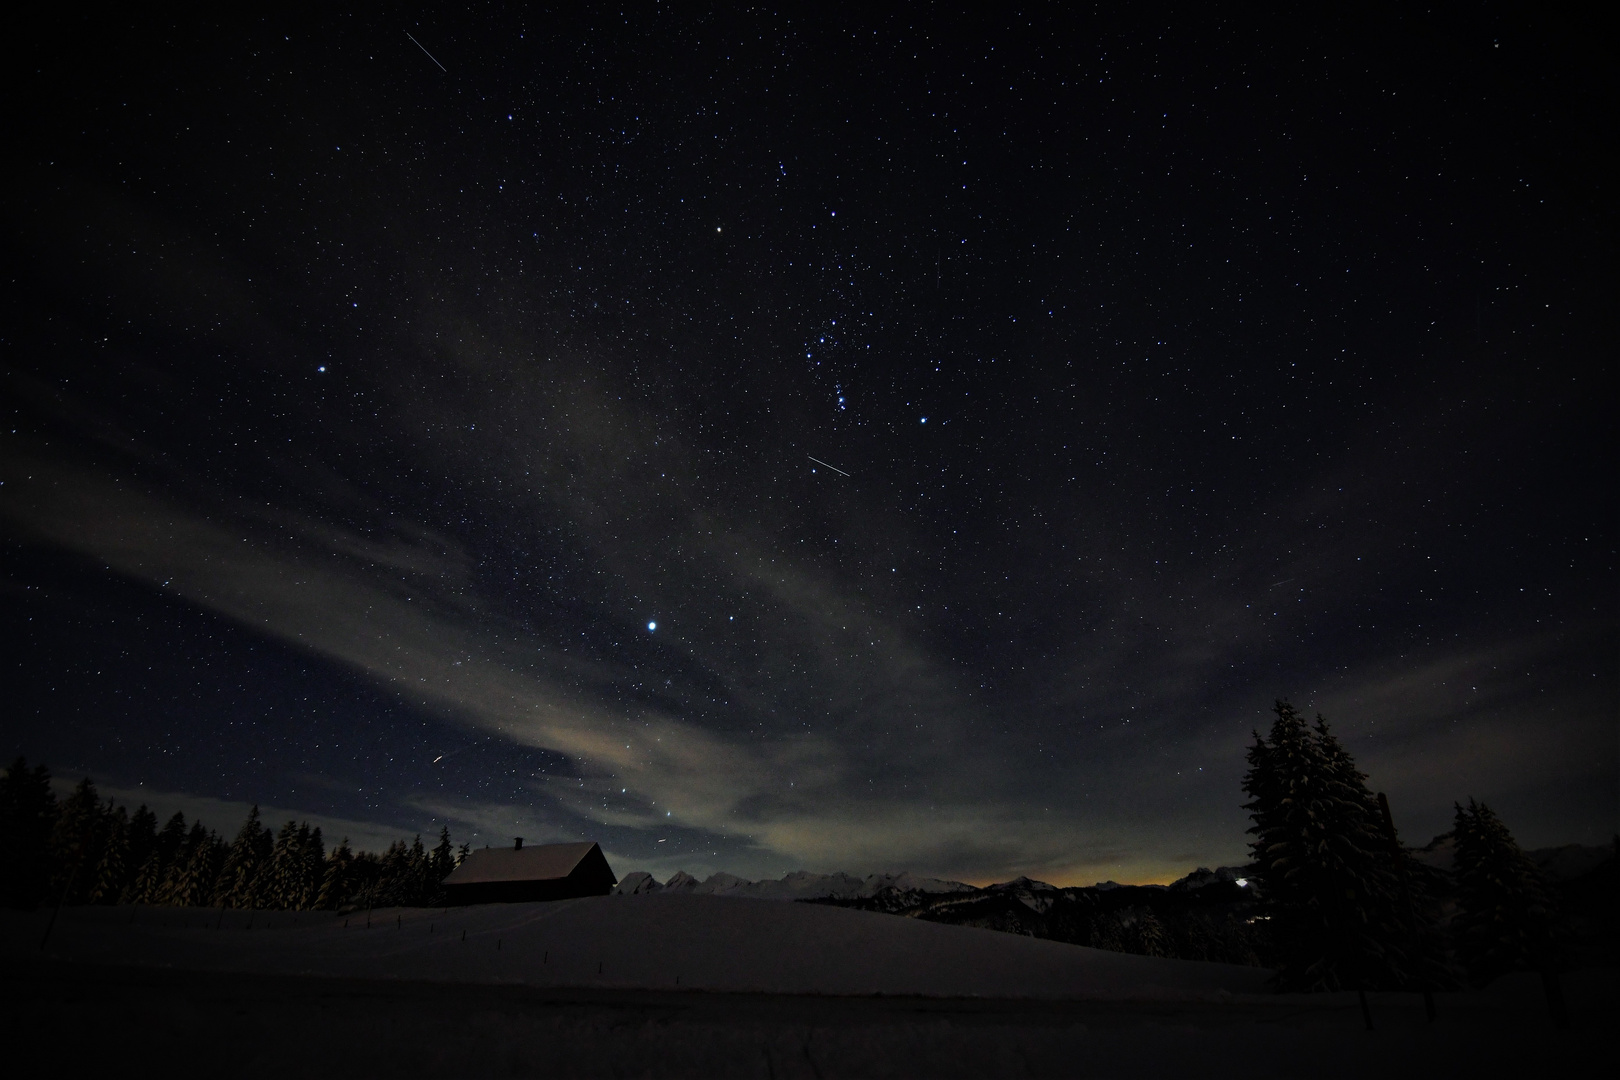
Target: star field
{"points": [[773, 440]]}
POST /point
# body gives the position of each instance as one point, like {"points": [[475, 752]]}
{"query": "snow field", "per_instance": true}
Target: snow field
{"points": [[656, 942]]}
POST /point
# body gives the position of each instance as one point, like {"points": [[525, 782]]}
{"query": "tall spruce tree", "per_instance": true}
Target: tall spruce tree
{"points": [[365, 875], [242, 864], [1504, 919], [179, 880], [195, 870], [142, 836], [442, 861], [27, 818], [278, 884], [170, 840], [1151, 939], [148, 883], [337, 883], [312, 866], [417, 890], [76, 845], [112, 872], [152, 873], [393, 877], [1326, 871]]}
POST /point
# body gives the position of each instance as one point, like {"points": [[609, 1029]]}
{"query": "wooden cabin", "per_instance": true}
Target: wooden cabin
{"points": [[514, 874]]}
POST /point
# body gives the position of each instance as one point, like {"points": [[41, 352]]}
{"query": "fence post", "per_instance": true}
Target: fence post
{"points": [[60, 900]]}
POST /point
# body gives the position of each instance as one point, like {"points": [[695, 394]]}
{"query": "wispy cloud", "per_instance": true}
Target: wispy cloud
{"points": [[425, 642], [225, 816]]}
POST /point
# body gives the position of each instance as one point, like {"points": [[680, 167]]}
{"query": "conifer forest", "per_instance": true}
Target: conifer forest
{"points": [[83, 850], [1332, 900]]}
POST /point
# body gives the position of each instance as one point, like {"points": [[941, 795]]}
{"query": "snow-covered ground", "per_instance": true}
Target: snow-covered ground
{"points": [[660, 941], [706, 986]]}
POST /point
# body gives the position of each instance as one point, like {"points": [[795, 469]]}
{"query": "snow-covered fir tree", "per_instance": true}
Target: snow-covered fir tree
{"points": [[1151, 939], [1324, 861], [312, 866], [393, 887], [142, 837], [28, 812], [148, 883], [191, 880], [277, 884], [417, 890], [443, 859], [76, 845], [112, 871], [170, 840], [337, 881], [1504, 917], [243, 861]]}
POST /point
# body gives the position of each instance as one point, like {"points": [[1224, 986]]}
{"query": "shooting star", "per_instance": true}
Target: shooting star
{"points": [[1284, 581], [834, 468], [427, 54]]}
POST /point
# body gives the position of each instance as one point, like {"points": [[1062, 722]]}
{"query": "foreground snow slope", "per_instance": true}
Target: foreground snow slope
{"points": [[662, 941]]}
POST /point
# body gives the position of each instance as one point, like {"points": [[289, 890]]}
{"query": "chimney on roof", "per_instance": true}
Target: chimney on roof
{"points": [[519, 844]]}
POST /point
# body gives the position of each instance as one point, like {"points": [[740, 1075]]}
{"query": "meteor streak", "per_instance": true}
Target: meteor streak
{"points": [[425, 53], [834, 468]]}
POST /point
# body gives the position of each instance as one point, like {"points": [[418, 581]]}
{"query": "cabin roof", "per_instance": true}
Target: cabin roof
{"points": [[546, 862]]}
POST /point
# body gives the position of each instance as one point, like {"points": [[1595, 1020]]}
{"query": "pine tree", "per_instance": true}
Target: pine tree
{"points": [[142, 839], [417, 885], [112, 872], [242, 864], [76, 845], [312, 867], [443, 859], [154, 878], [27, 818], [366, 875], [393, 876], [1150, 936], [170, 840], [195, 870], [175, 877], [1374, 927], [146, 855], [147, 887], [337, 882], [278, 884], [1504, 918], [1326, 871]]}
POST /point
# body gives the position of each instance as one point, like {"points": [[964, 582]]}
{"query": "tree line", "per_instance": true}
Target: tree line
{"points": [[1349, 908], [1342, 903], [81, 850]]}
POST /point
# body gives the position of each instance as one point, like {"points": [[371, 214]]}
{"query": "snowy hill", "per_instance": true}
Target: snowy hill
{"points": [[1205, 916], [661, 941]]}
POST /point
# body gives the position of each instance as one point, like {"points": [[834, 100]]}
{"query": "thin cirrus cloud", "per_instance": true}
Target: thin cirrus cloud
{"points": [[801, 709], [788, 796], [895, 771]]}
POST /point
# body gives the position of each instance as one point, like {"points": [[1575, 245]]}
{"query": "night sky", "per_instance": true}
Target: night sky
{"points": [[808, 439]]}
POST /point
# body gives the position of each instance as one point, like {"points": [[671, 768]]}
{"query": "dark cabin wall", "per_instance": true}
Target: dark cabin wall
{"points": [[592, 877]]}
